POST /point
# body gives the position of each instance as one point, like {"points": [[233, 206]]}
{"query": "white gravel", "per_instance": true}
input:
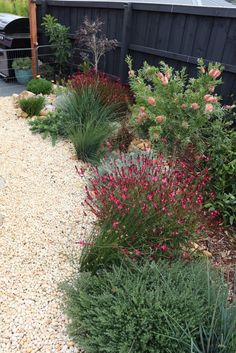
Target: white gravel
{"points": [[40, 223]]}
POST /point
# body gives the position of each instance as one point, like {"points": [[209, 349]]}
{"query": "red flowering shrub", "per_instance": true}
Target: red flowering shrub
{"points": [[145, 208], [110, 91]]}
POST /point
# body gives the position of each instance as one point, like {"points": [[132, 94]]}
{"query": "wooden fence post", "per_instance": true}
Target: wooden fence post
{"points": [[125, 40], [33, 35]]}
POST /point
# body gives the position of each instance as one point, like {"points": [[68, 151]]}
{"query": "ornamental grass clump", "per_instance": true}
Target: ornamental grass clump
{"points": [[147, 208], [151, 307], [32, 105]]}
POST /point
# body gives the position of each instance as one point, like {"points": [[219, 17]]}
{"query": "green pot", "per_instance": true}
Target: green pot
{"points": [[23, 76]]}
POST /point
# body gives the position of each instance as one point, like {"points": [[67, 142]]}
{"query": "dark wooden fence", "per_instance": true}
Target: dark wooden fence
{"points": [[179, 35]]}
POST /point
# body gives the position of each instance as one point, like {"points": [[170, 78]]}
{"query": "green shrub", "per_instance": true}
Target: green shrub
{"points": [[152, 308], [22, 63], [59, 39], [40, 85], [171, 108], [32, 106], [221, 141], [17, 7], [53, 125]]}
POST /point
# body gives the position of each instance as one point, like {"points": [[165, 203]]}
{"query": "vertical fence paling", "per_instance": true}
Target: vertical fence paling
{"points": [[127, 18]]}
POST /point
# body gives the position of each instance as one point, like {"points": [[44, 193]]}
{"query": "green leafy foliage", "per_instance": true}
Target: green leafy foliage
{"points": [[22, 63], [171, 109], [39, 85], [154, 308], [17, 7], [221, 141], [59, 38], [52, 125], [32, 105]]}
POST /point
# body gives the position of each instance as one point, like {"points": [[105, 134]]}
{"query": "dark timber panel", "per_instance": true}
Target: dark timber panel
{"points": [[177, 34]]}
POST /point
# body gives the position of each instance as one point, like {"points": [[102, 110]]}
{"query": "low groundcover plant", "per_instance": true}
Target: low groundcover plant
{"points": [[151, 308]]}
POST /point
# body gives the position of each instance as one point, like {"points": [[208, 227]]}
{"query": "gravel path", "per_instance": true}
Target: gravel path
{"points": [[40, 221]]}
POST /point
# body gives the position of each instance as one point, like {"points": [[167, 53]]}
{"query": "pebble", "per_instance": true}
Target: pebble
{"points": [[39, 235]]}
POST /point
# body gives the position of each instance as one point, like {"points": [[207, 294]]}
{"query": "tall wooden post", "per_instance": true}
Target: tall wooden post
{"points": [[33, 35]]}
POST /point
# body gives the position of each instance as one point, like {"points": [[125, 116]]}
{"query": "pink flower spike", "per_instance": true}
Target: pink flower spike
{"points": [[151, 101], [164, 248], [115, 224]]}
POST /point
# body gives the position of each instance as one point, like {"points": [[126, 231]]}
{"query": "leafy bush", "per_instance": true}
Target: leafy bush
{"points": [[170, 109], [22, 63], [17, 7], [53, 124], [222, 167], [109, 90], [152, 308], [145, 207], [32, 105], [59, 39], [39, 85]]}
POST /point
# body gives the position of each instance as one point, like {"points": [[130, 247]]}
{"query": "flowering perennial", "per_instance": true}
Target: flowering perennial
{"points": [[148, 208]]}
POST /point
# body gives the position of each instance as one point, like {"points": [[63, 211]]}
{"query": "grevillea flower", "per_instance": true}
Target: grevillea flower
{"points": [[115, 224], [208, 108], [160, 75], [165, 81], [210, 99], [160, 119], [194, 106], [214, 73], [140, 119], [168, 75], [211, 89], [151, 101]]}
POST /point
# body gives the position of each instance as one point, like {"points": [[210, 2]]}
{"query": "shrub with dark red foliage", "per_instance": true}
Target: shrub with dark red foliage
{"points": [[146, 207], [111, 91]]}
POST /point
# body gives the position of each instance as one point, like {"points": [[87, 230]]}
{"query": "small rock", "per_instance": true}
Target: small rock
{"points": [[24, 115], [25, 94], [43, 113]]}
